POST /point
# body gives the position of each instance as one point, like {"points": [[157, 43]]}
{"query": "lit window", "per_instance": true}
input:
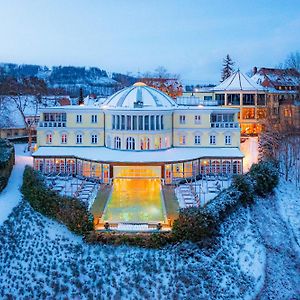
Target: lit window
{"points": [[227, 140], [79, 139], [49, 138], [63, 138], [94, 118], [182, 140], [79, 118], [197, 139], [94, 139], [182, 119], [212, 139]]}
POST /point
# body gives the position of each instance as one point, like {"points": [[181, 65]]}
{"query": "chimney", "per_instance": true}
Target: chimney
{"points": [[254, 70]]}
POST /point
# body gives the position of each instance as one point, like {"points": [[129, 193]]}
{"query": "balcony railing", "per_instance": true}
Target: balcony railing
{"points": [[224, 125], [52, 124]]}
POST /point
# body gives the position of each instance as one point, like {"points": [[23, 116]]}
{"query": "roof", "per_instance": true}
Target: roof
{"points": [[139, 96], [238, 82], [109, 155], [271, 77]]}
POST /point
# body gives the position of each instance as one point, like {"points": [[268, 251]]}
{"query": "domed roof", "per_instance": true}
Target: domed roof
{"points": [[139, 96]]}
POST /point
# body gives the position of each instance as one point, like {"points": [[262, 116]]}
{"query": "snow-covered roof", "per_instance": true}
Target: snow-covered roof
{"points": [[109, 155], [238, 82], [147, 98]]}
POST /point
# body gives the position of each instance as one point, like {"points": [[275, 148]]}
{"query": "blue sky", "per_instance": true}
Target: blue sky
{"points": [[189, 37]]}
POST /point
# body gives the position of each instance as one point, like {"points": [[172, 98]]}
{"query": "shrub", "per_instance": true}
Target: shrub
{"points": [[67, 210], [244, 184], [7, 160], [194, 224], [265, 176]]}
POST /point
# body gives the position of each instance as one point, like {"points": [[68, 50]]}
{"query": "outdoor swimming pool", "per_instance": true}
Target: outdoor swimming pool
{"points": [[135, 200]]}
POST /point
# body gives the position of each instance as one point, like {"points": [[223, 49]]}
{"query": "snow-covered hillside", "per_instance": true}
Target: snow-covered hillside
{"points": [[257, 256]]}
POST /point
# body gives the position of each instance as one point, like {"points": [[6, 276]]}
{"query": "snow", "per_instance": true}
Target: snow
{"points": [[149, 96], [108, 155], [11, 196], [238, 82]]}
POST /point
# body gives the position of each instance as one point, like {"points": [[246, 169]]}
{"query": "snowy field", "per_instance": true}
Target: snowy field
{"points": [[257, 256]]}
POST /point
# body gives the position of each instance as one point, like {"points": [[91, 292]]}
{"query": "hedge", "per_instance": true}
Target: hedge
{"points": [[7, 160], [67, 210]]}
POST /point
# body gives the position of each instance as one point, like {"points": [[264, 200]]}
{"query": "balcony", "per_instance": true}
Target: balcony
{"points": [[52, 124], [224, 125]]}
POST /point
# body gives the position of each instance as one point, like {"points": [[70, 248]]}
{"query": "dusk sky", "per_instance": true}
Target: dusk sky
{"points": [[186, 37]]}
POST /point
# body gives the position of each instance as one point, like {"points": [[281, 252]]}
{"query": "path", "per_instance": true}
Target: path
{"points": [[11, 195]]}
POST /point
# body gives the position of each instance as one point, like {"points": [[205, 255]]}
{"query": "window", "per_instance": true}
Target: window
{"points": [[94, 119], [207, 98], [63, 138], [157, 122], [248, 99], [182, 119], [94, 139], [146, 122], [220, 98], [128, 126], [49, 138], [261, 99], [227, 139], [182, 140], [113, 125], [118, 122], [130, 143], [233, 99], [212, 139], [152, 122], [141, 122], [134, 122], [197, 139], [145, 143], [117, 143], [197, 119], [79, 118], [162, 122], [248, 113], [122, 122], [79, 139]]}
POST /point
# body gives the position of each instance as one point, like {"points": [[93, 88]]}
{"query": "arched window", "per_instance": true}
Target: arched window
{"points": [[49, 138], [117, 143], [130, 143], [236, 167], [64, 138], [145, 143], [215, 167], [226, 167]]}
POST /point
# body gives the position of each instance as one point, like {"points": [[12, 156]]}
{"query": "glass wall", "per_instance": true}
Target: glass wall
{"points": [[133, 122]]}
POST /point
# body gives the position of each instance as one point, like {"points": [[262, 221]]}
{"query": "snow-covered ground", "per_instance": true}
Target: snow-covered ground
{"points": [[11, 195], [256, 256]]}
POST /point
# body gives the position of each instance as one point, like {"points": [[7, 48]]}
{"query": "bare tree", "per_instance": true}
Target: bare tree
{"points": [[26, 95], [293, 61]]}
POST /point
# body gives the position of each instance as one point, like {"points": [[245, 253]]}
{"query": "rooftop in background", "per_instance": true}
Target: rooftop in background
{"points": [[280, 79], [238, 82]]}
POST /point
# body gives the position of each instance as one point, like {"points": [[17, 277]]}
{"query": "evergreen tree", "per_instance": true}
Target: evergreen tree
{"points": [[80, 100], [227, 68]]}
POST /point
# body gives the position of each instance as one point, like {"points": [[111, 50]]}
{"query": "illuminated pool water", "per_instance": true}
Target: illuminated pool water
{"points": [[135, 200]]}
